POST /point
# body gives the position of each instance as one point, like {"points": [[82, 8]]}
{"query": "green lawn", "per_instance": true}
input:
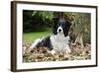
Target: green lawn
{"points": [[30, 37]]}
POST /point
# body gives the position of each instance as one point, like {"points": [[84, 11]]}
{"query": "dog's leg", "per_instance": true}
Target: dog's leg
{"points": [[67, 51], [53, 52], [34, 44]]}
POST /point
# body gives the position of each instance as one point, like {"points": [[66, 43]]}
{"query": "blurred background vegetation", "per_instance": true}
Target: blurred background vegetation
{"points": [[37, 24], [37, 21]]}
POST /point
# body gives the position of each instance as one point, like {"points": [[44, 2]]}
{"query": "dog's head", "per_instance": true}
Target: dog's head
{"points": [[61, 26]]}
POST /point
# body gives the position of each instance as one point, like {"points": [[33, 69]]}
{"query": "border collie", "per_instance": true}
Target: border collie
{"points": [[59, 41]]}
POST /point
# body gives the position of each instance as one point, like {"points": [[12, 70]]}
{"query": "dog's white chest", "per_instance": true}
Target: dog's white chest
{"points": [[59, 42]]}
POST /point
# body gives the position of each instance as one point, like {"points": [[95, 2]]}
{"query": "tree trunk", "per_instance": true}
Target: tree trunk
{"points": [[79, 39]]}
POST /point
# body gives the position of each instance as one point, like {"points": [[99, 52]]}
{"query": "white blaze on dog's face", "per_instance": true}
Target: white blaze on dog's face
{"points": [[60, 30]]}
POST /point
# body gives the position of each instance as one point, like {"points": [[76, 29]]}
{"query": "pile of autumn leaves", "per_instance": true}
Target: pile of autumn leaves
{"points": [[41, 54]]}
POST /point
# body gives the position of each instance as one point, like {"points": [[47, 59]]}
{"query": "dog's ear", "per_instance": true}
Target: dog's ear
{"points": [[55, 22], [67, 28]]}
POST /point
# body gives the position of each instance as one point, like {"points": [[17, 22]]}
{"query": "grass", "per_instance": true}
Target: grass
{"points": [[31, 36]]}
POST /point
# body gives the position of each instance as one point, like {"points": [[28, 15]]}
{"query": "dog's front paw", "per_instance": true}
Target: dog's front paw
{"points": [[67, 50], [53, 52]]}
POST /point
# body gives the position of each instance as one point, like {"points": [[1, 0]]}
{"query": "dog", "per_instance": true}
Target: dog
{"points": [[59, 40]]}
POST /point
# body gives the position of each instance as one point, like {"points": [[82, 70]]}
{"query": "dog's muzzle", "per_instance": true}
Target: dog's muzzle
{"points": [[59, 30]]}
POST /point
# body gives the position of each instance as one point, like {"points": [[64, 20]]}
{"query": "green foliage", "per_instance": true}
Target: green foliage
{"points": [[36, 20], [44, 14]]}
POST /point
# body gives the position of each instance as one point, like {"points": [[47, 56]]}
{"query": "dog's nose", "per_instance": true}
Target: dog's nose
{"points": [[59, 30]]}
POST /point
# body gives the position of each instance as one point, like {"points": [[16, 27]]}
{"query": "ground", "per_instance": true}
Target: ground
{"points": [[41, 54]]}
